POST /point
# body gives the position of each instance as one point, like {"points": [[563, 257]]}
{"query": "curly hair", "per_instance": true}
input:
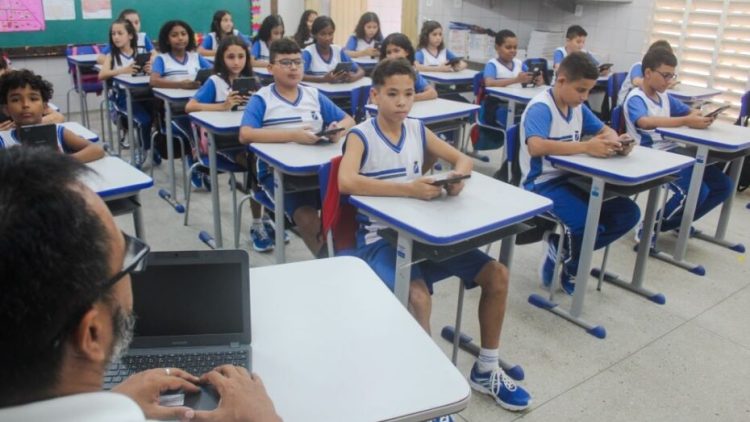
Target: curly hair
{"points": [[15, 79]]}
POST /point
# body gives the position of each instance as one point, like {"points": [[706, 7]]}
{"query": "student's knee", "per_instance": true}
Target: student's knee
{"points": [[306, 217], [493, 278], [419, 295]]}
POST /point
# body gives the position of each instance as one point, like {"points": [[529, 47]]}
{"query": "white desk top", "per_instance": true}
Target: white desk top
{"points": [[339, 89], [81, 131], [484, 205], [115, 178], [366, 61], [53, 106], [218, 121], [641, 165], [83, 58], [174, 94], [309, 347], [689, 92], [719, 136], [435, 110], [292, 157], [262, 71], [132, 81], [465, 76], [519, 94]]}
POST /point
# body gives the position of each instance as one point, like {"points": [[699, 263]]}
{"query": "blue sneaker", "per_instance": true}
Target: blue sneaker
{"points": [[270, 227], [500, 386], [260, 239], [206, 180], [567, 282], [446, 418], [196, 179], [156, 157], [547, 265], [639, 235]]}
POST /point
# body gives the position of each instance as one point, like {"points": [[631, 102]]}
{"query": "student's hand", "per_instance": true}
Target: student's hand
{"points": [[233, 98], [188, 84], [336, 136], [539, 80], [524, 77], [331, 77], [243, 397], [373, 52], [147, 68], [305, 136], [454, 189], [698, 121], [625, 149], [7, 125], [130, 69], [602, 147], [443, 68], [423, 188], [145, 387], [605, 72]]}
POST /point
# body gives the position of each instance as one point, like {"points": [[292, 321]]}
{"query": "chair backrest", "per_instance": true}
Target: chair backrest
{"points": [[477, 84], [336, 214], [89, 77], [541, 64], [744, 110], [614, 83], [618, 120], [510, 172]]}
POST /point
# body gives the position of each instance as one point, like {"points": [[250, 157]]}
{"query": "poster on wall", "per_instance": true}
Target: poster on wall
{"points": [[21, 16], [97, 9], [59, 10]]}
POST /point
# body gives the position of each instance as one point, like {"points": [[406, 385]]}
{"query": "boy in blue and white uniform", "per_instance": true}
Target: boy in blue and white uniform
{"points": [[385, 156], [553, 124], [575, 40], [286, 111], [634, 77], [649, 107]]}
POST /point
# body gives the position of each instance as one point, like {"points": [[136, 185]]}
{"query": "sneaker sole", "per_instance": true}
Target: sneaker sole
{"points": [[262, 250], [507, 406]]}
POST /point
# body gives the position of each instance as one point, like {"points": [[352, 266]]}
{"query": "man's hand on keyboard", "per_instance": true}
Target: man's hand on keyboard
{"points": [[243, 397], [146, 387]]}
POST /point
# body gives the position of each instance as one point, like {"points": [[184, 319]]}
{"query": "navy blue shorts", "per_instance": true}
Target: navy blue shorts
{"points": [[292, 201], [381, 257]]}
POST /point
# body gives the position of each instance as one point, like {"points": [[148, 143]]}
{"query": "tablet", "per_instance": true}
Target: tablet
{"points": [[718, 111], [203, 75], [605, 66], [454, 61], [449, 178], [329, 132], [244, 86], [42, 136], [343, 67]]}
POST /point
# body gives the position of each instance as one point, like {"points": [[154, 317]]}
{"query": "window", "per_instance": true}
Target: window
{"points": [[711, 39]]}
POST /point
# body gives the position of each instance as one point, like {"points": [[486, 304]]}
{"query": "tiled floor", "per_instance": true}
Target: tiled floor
{"points": [[688, 360]]}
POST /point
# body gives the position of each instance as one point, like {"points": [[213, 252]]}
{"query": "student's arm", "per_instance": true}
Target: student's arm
{"points": [[353, 183], [461, 65], [423, 90], [440, 149], [205, 49], [356, 74], [638, 113], [557, 57], [420, 66], [255, 54], [52, 116], [252, 127], [203, 100], [636, 75], [328, 77], [85, 151], [334, 117], [158, 81], [107, 73]]}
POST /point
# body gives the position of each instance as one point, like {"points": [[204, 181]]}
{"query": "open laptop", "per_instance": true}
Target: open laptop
{"points": [[192, 312]]}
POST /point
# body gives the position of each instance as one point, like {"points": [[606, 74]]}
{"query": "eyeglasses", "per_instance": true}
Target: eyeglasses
{"points": [[288, 63], [666, 75], [134, 261]]}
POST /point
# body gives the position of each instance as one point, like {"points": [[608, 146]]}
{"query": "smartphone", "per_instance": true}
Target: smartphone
{"points": [[454, 61], [343, 67], [44, 135], [718, 111], [377, 45], [203, 75], [605, 66], [244, 86], [141, 59], [329, 132], [626, 141], [445, 179], [535, 73]]}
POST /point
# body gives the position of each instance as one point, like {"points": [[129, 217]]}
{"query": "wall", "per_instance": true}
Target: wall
{"points": [[618, 32]]}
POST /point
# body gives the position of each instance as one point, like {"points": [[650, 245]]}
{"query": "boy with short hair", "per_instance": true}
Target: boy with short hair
{"points": [[575, 41], [286, 111], [648, 107], [553, 124], [384, 156], [6, 123], [23, 98]]}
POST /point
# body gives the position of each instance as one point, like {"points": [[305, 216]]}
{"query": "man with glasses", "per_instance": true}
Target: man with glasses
{"points": [[66, 307], [648, 107]]}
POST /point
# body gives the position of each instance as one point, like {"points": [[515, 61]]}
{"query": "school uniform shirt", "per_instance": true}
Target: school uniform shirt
{"points": [[213, 91], [10, 139], [267, 109], [210, 42], [170, 68], [260, 51], [638, 104], [544, 119], [426, 58], [496, 69], [561, 53], [120, 97], [316, 65], [359, 44], [636, 71], [420, 83], [385, 161], [144, 44]]}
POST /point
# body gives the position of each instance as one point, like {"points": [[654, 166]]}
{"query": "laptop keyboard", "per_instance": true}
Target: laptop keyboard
{"points": [[194, 363]]}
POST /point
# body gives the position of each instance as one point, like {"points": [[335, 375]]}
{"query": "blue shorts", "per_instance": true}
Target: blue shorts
{"points": [[292, 201], [381, 257]]}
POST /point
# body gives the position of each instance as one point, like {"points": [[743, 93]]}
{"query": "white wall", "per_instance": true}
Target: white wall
{"points": [[290, 11], [618, 32]]}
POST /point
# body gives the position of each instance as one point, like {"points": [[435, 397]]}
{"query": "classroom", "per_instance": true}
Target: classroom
{"points": [[493, 210]]}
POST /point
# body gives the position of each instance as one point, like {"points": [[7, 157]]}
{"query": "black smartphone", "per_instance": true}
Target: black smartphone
{"points": [[141, 59], [605, 66], [454, 61], [626, 141], [343, 67], [445, 179], [535, 73], [203, 75], [718, 111], [377, 44], [44, 136], [244, 86], [329, 132]]}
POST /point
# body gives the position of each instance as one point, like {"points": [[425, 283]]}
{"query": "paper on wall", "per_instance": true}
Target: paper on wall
{"points": [[21, 16], [59, 10], [96, 9]]}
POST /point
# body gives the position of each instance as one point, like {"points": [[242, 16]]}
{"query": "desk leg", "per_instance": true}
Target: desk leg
{"points": [[171, 196], [114, 144], [506, 251], [82, 97], [509, 120], [403, 269], [140, 232], [214, 189], [278, 205], [131, 129]]}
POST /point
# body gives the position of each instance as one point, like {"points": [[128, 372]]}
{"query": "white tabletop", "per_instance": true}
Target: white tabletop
{"points": [[719, 136], [132, 81], [342, 348], [83, 58], [81, 131], [339, 88], [450, 77], [366, 61], [291, 157], [484, 205], [218, 121], [689, 92], [435, 110], [641, 165], [261, 71], [174, 94], [115, 177], [520, 94], [53, 106]]}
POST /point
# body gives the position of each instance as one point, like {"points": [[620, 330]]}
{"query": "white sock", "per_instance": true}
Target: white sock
{"points": [[257, 223], [488, 359]]}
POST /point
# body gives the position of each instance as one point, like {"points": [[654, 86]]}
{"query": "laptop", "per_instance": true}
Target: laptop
{"points": [[192, 312], [43, 136]]}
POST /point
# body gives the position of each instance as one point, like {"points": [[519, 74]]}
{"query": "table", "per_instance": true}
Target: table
{"points": [[127, 83], [734, 143], [355, 91], [81, 131], [641, 166], [689, 93], [465, 76], [366, 62], [514, 95], [293, 159], [485, 205], [119, 185], [80, 61], [408, 379], [172, 96]]}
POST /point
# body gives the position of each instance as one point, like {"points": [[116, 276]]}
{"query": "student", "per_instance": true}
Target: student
{"points": [[373, 153], [575, 40], [216, 94], [321, 57], [143, 44], [367, 35], [648, 107], [432, 56], [6, 123], [24, 97], [303, 36], [635, 74], [398, 46], [271, 29], [178, 62], [505, 70], [221, 26], [553, 124], [286, 111], [121, 61]]}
